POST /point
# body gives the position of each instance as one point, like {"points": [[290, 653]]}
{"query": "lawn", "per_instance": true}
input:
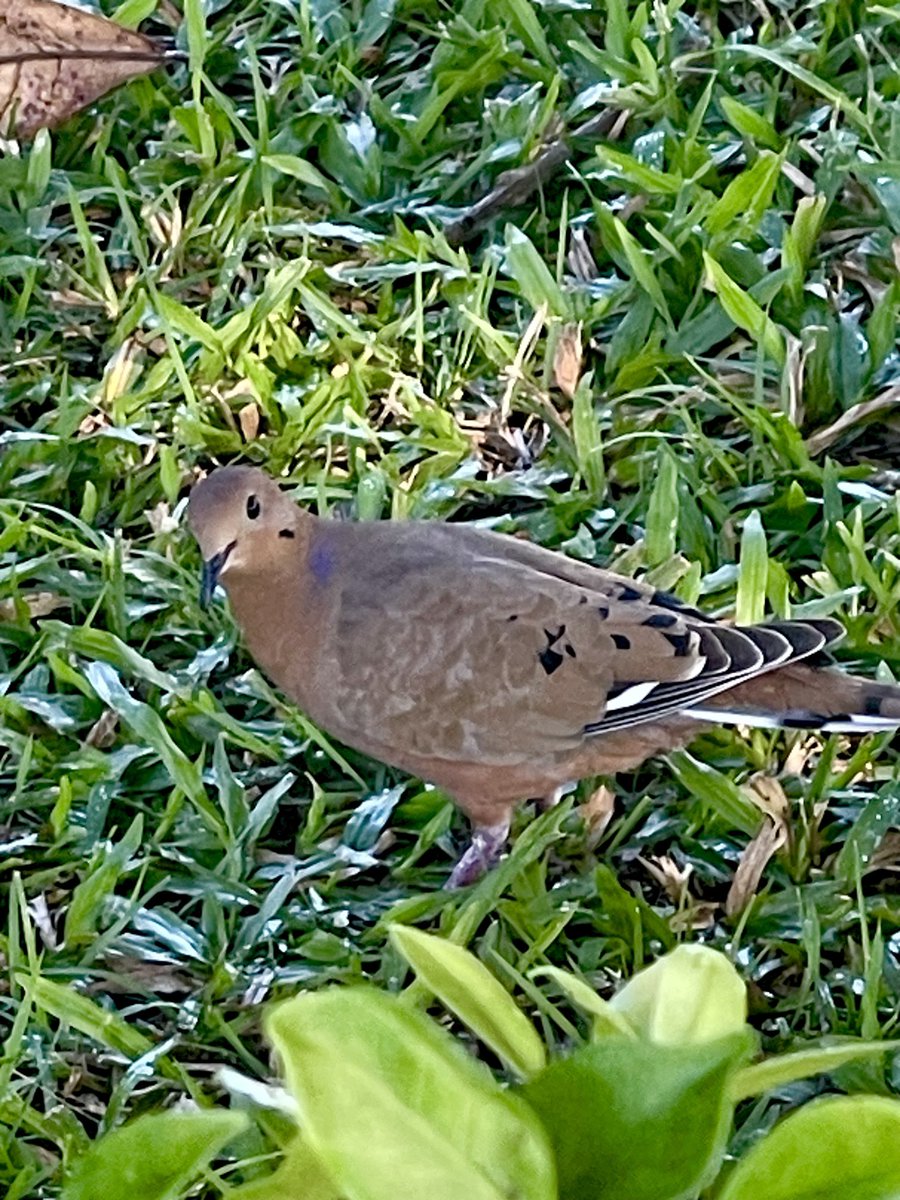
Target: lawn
{"points": [[670, 348]]}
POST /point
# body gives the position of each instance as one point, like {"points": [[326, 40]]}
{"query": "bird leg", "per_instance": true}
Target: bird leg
{"points": [[481, 854]]}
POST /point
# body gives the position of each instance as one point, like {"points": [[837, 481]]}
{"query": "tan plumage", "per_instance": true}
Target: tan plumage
{"points": [[494, 668]]}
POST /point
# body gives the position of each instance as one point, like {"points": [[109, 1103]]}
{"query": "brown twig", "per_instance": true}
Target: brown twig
{"points": [[515, 186]]}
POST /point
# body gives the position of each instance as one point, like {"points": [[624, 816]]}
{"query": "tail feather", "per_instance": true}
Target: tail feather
{"points": [[801, 697]]}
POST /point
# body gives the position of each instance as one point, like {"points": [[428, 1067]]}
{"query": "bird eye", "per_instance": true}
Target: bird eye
{"points": [[253, 509]]}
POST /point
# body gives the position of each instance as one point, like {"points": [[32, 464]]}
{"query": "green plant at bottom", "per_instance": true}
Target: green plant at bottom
{"points": [[390, 1106]]}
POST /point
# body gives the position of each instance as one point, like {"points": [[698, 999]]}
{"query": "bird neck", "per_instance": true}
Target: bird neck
{"points": [[277, 608]]}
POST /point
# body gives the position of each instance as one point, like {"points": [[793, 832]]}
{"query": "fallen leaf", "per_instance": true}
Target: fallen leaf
{"points": [[887, 854], [597, 812], [161, 519], [768, 795], [36, 604], [120, 372], [822, 439], [701, 914], [567, 359], [580, 260], [514, 374], [93, 423], [102, 733], [248, 418], [55, 60], [43, 921], [673, 878], [771, 837]]}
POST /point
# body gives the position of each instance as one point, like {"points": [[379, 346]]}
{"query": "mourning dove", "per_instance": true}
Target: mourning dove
{"points": [[491, 667]]}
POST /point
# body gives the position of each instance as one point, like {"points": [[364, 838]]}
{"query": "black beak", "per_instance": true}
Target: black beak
{"points": [[212, 569]]}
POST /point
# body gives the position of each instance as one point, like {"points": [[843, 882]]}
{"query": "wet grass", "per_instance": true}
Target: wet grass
{"points": [[245, 257]]}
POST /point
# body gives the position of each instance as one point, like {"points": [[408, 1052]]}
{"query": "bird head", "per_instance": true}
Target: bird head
{"points": [[242, 522]]}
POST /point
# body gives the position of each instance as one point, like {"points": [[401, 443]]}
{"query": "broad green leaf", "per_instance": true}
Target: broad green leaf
{"points": [[690, 996], [881, 327], [628, 1118], [299, 1176], [397, 1111], [800, 239], [464, 985], [155, 1157], [646, 179], [753, 573], [878, 816], [588, 437], [743, 309], [146, 723], [749, 122], [746, 198], [785, 1068], [299, 169], [89, 896], [531, 273], [524, 20], [662, 511], [84, 1014], [836, 1148], [838, 98], [641, 265], [185, 321], [717, 791]]}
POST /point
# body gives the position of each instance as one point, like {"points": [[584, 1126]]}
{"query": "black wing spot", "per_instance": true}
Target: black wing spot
{"points": [[554, 637], [582, 599], [603, 611], [550, 660], [661, 621], [286, 533], [872, 706], [621, 642], [680, 642], [629, 593], [514, 617], [570, 650], [667, 600], [804, 720]]}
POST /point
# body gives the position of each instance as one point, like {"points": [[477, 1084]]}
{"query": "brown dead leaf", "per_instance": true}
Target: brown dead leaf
{"points": [[666, 871], [597, 812], [771, 837], [700, 914], [580, 260], [768, 795], [120, 372], [37, 604], [93, 423], [161, 519], [514, 374], [102, 734], [859, 413], [567, 359], [43, 921], [55, 60], [132, 976], [248, 418], [887, 854]]}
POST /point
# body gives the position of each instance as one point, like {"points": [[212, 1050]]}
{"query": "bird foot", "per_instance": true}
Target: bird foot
{"points": [[481, 854]]}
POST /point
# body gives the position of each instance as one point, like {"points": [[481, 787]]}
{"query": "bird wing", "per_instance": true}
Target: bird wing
{"points": [[453, 644]]}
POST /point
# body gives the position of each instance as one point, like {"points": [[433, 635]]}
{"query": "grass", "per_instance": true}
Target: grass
{"points": [[242, 257]]}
